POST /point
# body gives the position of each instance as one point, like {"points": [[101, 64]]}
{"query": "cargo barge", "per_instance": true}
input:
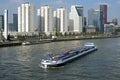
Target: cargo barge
{"points": [[67, 55]]}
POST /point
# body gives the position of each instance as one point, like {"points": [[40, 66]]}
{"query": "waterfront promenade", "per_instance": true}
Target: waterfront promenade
{"points": [[41, 41]]}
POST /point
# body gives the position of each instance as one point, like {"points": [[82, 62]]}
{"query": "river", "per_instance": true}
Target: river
{"points": [[23, 62]]}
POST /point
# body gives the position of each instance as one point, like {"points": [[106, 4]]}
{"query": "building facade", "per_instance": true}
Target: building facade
{"points": [[55, 21], [103, 8], [76, 19], [45, 18], [109, 29], [115, 21], [13, 27], [1, 22], [15, 22], [95, 19], [61, 20], [1, 27], [101, 22], [6, 24], [26, 17]]}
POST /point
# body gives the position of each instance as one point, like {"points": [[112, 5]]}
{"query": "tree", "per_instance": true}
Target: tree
{"points": [[55, 31]]}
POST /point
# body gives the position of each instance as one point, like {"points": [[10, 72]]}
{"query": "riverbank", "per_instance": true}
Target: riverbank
{"points": [[13, 43], [7, 44], [69, 39]]}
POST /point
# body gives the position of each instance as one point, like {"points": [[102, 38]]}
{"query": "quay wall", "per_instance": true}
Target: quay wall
{"points": [[7, 44]]}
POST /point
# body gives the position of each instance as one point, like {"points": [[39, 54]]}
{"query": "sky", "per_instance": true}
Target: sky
{"points": [[113, 6]]}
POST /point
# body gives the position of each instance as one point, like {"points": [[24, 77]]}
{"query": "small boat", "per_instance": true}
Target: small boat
{"points": [[35, 42], [67, 55], [26, 43]]}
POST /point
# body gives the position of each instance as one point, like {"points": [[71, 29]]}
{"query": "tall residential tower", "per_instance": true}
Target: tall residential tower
{"points": [[6, 24], [26, 17], [1, 22], [61, 20], [15, 22], [76, 19], [45, 16]]}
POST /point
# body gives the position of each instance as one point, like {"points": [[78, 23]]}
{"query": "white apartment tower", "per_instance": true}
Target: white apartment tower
{"points": [[6, 24], [45, 15], [76, 19], [26, 17], [55, 20], [61, 20]]}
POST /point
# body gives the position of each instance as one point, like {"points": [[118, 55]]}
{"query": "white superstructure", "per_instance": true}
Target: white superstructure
{"points": [[26, 17], [76, 18]]}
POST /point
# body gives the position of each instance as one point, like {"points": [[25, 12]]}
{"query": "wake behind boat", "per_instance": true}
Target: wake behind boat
{"points": [[67, 55]]}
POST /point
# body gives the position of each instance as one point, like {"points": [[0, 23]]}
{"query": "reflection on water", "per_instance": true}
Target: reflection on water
{"points": [[22, 62], [24, 54]]}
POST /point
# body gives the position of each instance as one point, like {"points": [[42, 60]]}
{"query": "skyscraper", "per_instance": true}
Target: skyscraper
{"points": [[103, 8], [6, 24], [101, 22], [55, 21], [15, 22], [1, 22], [39, 22], [76, 19], [61, 20], [26, 17], [45, 15], [95, 19]]}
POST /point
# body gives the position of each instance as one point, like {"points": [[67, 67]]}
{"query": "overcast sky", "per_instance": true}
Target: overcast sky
{"points": [[113, 5]]}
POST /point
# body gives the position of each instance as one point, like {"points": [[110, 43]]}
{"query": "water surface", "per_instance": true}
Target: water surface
{"points": [[22, 62]]}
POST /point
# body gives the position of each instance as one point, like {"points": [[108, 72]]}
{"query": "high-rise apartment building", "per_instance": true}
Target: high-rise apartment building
{"points": [[1, 22], [55, 21], [76, 19], [26, 17], [39, 21], [15, 22], [61, 20], [103, 8], [45, 18], [1, 26], [13, 27], [6, 24]]}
